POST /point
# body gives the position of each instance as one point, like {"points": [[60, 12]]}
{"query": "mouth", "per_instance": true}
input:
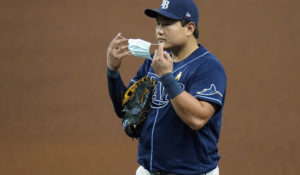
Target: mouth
{"points": [[160, 40]]}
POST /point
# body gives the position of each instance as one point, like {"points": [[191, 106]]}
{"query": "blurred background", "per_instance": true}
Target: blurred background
{"points": [[55, 113]]}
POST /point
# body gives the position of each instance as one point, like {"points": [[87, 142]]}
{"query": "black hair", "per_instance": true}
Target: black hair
{"points": [[196, 31]]}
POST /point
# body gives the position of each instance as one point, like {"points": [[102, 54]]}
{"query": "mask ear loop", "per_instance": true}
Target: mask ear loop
{"points": [[151, 43], [127, 40], [123, 37]]}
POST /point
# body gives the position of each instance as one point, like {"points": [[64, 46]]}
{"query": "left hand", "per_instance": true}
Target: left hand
{"points": [[162, 62]]}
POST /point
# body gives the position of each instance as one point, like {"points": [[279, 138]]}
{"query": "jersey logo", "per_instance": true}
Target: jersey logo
{"points": [[165, 4], [211, 91], [160, 96], [178, 76]]}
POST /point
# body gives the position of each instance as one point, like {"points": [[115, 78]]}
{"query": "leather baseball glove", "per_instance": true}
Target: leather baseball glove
{"points": [[136, 105]]}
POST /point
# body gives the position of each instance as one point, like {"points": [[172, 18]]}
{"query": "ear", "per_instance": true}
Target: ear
{"points": [[190, 28]]}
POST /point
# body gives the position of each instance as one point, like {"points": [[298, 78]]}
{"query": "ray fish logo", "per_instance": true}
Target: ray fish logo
{"points": [[212, 90]]}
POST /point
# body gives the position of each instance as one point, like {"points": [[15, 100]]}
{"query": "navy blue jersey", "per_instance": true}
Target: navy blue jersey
{"points": [[166, 143]]}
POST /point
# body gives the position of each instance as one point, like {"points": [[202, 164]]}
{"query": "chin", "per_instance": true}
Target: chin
{"points": [[166, 46]]}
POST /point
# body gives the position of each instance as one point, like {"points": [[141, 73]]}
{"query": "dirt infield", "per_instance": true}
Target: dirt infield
{"points": [[55, 113]]}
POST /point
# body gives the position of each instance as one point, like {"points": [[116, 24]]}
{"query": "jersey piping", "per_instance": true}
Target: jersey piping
{"points": [[153, 128]]}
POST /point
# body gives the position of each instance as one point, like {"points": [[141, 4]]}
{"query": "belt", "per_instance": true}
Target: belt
{"points": [[214, 171], [163, 173]]}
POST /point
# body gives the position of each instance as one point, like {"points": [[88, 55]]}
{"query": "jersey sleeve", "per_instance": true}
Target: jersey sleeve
{"points": [[209, 83], [115, 88]]}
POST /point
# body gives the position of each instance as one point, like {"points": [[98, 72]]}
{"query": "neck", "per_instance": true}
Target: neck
{"points": [[181, 52]]}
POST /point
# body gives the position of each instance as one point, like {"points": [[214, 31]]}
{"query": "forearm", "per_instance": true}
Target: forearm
{"points": [[192, 112], [115, 88]]}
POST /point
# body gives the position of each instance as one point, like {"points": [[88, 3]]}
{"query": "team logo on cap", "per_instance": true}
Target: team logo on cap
{"points": [[188, 15], [165, 4]]}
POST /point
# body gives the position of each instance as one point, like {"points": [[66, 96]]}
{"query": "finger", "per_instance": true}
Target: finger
{"points": [[161, 48], [123, 55], [114, 40], [167, 56], [116, 37], [122, 37], [155, 55], [117, 43], [124, 42], [122, 49], [120, 40]]}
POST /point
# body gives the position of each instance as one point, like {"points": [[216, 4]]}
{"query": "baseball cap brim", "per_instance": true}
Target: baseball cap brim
{"points": [[153, 13]]}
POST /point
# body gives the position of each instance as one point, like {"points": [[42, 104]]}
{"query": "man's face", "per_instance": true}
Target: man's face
{"points": [[170, 32]]}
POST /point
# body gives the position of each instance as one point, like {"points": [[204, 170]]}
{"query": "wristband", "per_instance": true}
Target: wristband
{"points": [[171, 85]]}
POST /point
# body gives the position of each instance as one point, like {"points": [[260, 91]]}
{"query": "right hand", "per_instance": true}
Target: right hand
{"points": [[162, 62], [116, 51]]}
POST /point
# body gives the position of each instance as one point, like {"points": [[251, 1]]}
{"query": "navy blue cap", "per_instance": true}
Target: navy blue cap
{"points": [[176, 9]]}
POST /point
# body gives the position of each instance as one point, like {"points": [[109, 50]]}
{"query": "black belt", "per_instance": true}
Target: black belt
{"points": [[163, 173]]}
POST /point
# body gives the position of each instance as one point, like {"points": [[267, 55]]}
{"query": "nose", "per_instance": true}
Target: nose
{"points": [[159, 30]]}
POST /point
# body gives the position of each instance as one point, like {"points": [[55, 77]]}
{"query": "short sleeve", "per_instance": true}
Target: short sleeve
{"points": [[208, 83]]}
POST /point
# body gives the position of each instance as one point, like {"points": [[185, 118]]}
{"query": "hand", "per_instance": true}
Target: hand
{"points": [[162, 62], [116, 51]]}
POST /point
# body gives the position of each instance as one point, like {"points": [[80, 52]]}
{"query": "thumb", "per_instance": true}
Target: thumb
{"points": [[167, 56]]}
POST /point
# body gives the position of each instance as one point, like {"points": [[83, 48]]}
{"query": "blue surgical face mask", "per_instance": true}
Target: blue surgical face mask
{"points": [[139, 48]]}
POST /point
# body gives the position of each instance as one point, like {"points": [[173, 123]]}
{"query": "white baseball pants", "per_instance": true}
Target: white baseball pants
{"points": [[142, 171]]}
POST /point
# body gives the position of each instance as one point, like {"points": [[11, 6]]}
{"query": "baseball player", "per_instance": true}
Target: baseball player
{"points": [[182, 128]]}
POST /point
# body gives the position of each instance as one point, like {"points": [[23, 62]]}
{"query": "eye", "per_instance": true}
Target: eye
{"points": [[163, 24]]}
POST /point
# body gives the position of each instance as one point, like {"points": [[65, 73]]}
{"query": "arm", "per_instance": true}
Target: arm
{"points": [[115, 87], [191, 111], [116, 51]]}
